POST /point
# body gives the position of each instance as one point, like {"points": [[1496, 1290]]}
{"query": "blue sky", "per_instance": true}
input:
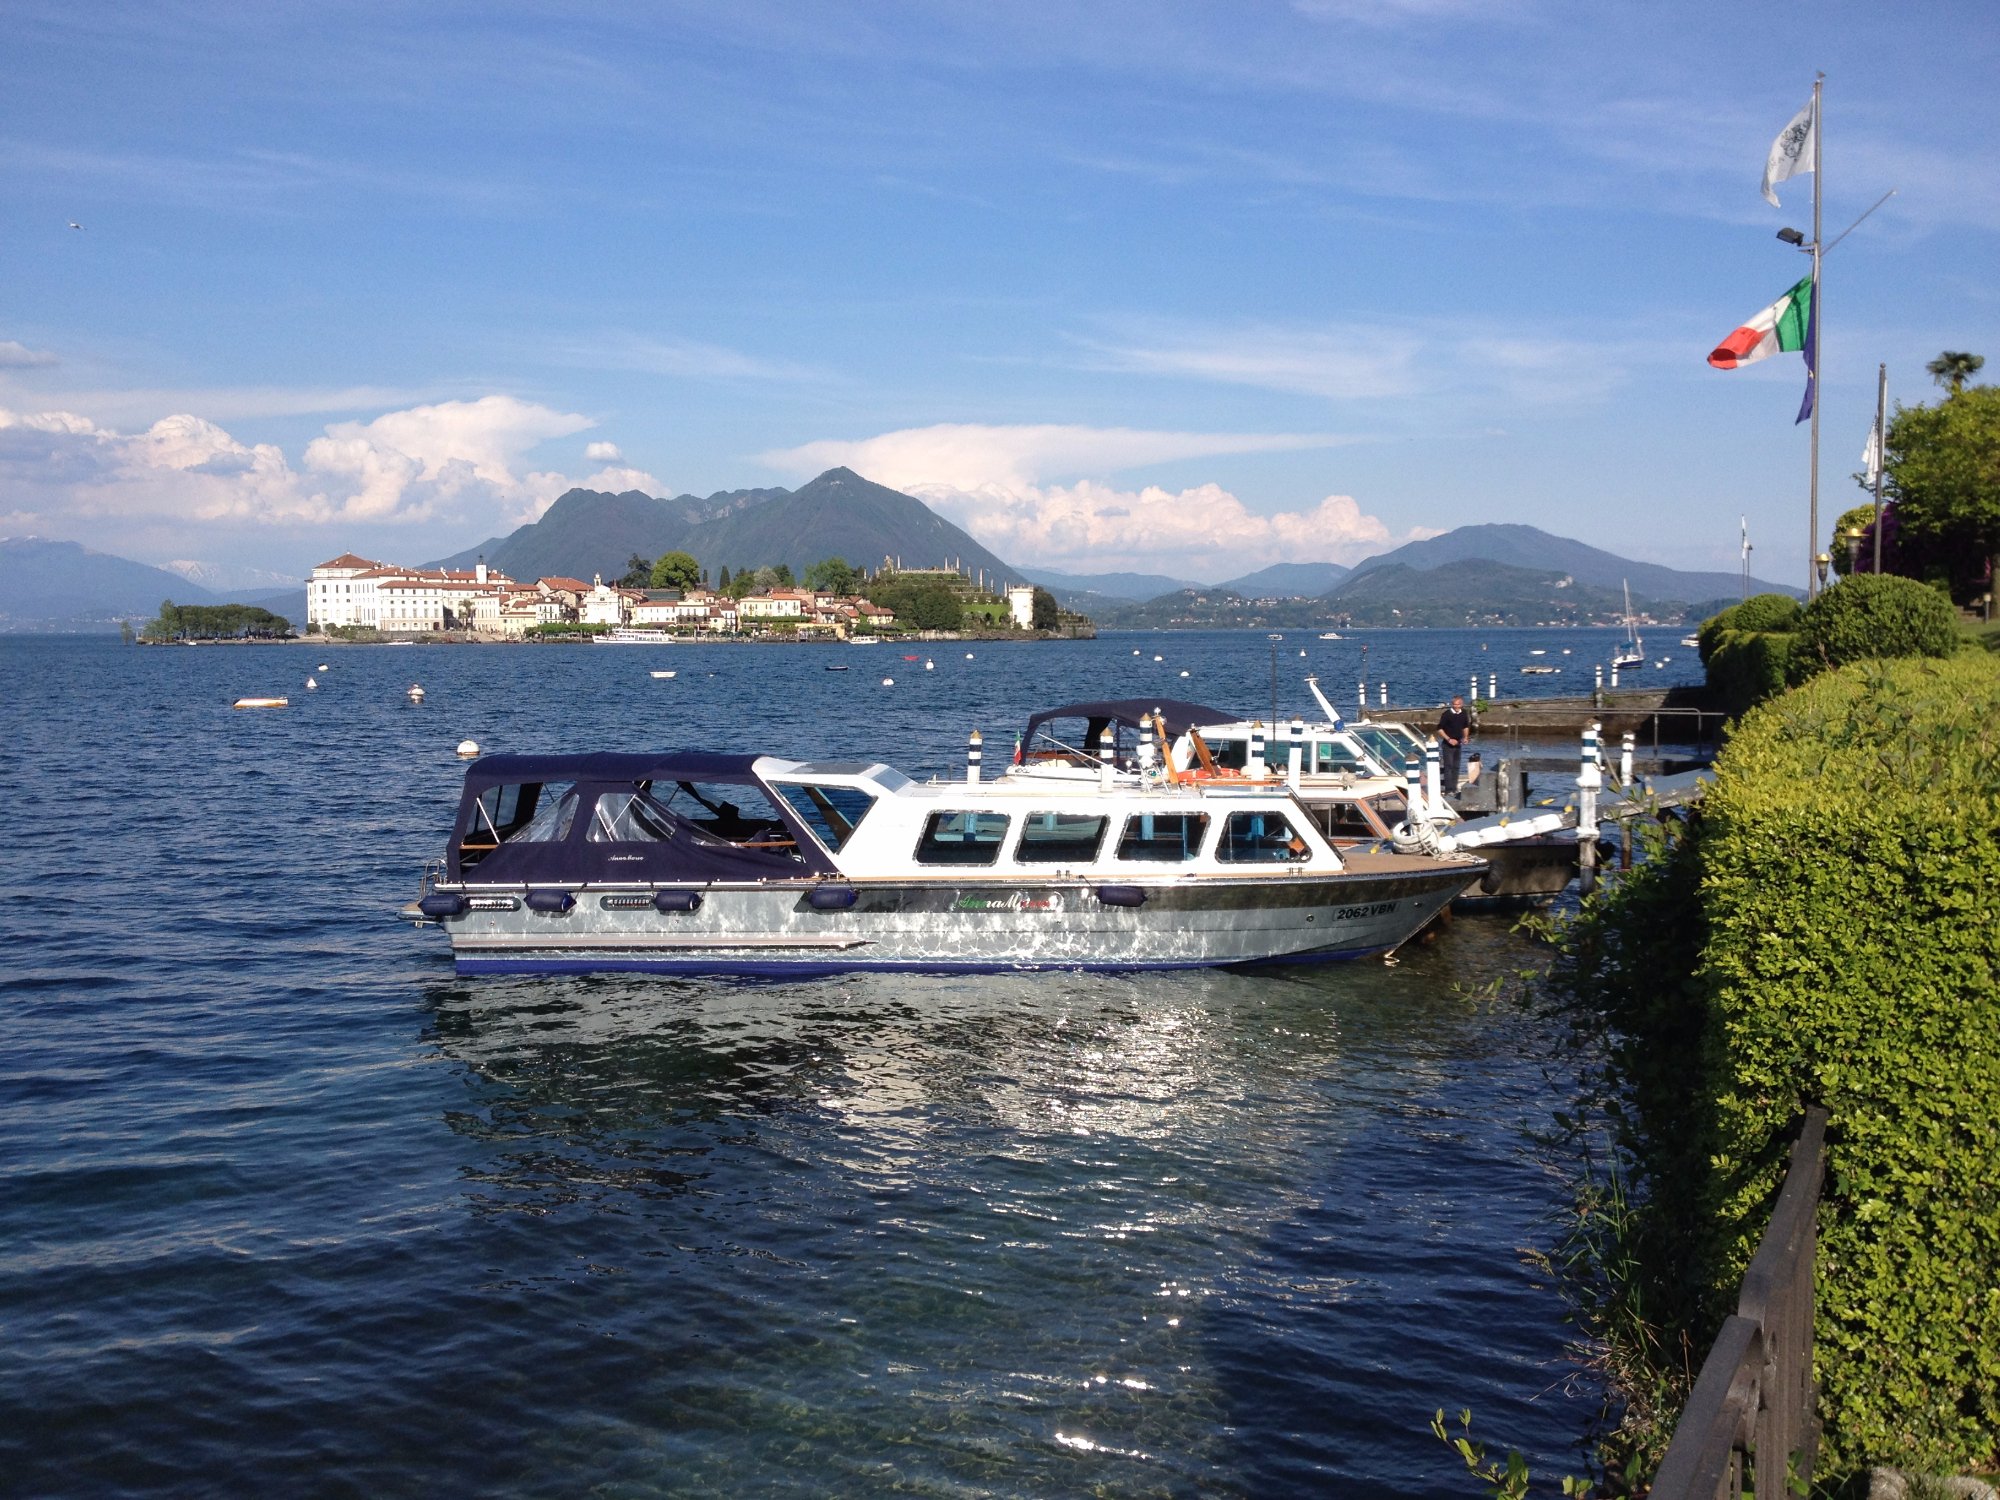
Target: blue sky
{"points": [[1186, 288]]}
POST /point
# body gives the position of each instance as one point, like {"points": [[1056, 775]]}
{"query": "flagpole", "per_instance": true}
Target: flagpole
{"points": [[1881, 447], [1818, 377]]}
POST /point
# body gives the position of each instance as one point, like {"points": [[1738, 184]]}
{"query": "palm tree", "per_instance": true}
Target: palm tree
{"points": [[1953, 369]]}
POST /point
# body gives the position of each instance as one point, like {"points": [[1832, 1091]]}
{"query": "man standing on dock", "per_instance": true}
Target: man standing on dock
{"points": [[1454, 729]]}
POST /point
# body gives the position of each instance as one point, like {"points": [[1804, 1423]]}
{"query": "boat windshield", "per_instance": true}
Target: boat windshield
{"points": [[831, 812], [1333, 756], [551, 825], [1393, 746], [735, 812], [628, 818]]}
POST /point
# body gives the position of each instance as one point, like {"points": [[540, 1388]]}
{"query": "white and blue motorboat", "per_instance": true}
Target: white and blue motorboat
{"points": [[755, 864]]}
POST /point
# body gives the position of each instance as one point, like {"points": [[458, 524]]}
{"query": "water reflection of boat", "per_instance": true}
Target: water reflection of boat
{"points": [[751, 864]]}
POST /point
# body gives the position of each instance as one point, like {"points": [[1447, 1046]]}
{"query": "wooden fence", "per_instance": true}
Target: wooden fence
{"points": [[1751, 1424]]}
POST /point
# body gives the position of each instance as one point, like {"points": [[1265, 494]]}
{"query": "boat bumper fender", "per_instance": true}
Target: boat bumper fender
{"points": [[677, 900], [551, 900], [1122, 895], [831, 897]]}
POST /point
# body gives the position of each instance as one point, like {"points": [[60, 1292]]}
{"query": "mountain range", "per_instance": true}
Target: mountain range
{"points": [[1486, 574], [587, 532]]}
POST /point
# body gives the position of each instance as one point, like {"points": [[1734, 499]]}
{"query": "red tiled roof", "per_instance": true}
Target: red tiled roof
{"points": [[569, 585], [349, 560]]}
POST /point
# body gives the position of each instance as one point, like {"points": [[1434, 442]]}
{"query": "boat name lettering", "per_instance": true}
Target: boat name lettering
{"points": [[1014, 901]]}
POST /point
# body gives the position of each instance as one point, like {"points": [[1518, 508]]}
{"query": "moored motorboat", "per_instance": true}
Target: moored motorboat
{"points": [[753, 864]]}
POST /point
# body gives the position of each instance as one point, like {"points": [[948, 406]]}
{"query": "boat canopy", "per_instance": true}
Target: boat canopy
{"points": [[651, 817], [1128, 713]]}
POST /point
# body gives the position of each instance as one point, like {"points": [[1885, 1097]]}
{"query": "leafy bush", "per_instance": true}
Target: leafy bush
{"points": [[1851, 893], [1759, 612], [1872, 616], [1747, 666]]}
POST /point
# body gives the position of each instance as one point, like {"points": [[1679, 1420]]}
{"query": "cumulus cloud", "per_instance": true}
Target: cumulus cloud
{"points": [[1018, 490], [18, 356], [603, 453], [451, 457], [967, 455]]}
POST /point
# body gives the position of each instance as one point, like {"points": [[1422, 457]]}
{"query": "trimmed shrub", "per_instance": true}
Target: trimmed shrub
{"points": [[1872, 616], [1748, 666], [1850, 885], [1779, 612]]}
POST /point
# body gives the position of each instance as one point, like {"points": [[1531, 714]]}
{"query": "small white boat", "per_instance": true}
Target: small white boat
{"points": [[661, 674], [416, 693], [1538, 652], [864, 640], [1633, 652], [261, 703], [1540, 671], [1692, 642], [1329, 635]]}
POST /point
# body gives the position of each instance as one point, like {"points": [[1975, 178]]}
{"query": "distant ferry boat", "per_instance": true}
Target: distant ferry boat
{"points": [[626, 635]]}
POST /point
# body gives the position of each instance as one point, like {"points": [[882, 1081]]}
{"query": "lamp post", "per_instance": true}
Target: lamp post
{"points": [[1822, 563], [1853, 550]]}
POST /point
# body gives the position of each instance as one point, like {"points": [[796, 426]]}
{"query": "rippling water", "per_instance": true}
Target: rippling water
{"points": [[285, 1207]]}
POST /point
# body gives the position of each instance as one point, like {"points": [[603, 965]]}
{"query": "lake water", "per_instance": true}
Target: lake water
{"points": [[287, 1208]]}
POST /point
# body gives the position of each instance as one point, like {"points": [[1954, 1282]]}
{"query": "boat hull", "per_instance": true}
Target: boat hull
{"points": [[945, 925]]}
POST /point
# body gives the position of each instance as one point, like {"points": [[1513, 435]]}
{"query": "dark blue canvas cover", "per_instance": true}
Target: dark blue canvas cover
{"points": [[682, 849]]}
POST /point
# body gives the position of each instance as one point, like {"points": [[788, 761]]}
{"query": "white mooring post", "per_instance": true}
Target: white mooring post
{"points": [[1146, 745], [1625, 762], [1413, 792], [1589, 777], [1493, 685], [1614, 674], [1473, 691], [1361, 695], [1384, 693], [972, 757], [1107, 754], [1433, 779], [1597, 691], [1254, 765]]}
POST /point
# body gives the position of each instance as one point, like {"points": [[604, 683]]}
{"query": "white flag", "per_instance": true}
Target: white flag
{"points": [[1791, 152], [1871, 456]]}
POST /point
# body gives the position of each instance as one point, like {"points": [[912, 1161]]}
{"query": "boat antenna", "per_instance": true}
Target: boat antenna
{"points": [[1274, 687]]}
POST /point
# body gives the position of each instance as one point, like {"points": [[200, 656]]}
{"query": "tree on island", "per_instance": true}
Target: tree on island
{"points": [[638, 573], [832, 575], [214, 622], [675, 570], [1046, 613]]}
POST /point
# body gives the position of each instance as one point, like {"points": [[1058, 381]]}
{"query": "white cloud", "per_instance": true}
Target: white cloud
{"points": [[603, 453], [966, 456], [447, 458], [1200, 532], [18, 356]]}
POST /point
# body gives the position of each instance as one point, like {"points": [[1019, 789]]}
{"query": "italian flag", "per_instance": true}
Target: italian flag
{"points": [[1780, 328]]}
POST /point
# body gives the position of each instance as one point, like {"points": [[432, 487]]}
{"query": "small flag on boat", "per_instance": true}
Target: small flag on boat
{"points": [[1791, 153], [1781, 328]]}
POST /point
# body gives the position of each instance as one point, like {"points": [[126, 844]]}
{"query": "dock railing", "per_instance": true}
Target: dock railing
{"points": [[1751, 1424]]}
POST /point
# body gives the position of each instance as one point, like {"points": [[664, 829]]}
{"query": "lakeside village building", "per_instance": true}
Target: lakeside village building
{"points": [[352, 591]]}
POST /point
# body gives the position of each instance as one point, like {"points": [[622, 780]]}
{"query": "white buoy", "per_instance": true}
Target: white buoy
{"points": [[1302, 653], [888, 682], [1159, 658], [1184, 672], [322, 666], [1135, 650], [929, 665], [468, 749], [416, 693], [311, 683], [968, 656]]}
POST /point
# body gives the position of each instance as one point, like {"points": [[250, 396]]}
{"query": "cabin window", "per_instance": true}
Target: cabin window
{"points": [[1331, 756], [1059, 838], [1164, 838], [551, 825], [1230, 755], [1260, 838], [628, 818], [832, 812], [498, 814], [962, 838], [1391, 748]]}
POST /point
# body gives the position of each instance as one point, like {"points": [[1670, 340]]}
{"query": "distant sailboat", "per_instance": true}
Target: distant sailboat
{"points": [[1633, 652]]}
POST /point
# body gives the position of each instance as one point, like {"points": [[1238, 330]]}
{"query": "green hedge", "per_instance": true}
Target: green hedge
{"points": [[1762, 612], [1747, 666], [1850, 886], [1873, 615]]}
